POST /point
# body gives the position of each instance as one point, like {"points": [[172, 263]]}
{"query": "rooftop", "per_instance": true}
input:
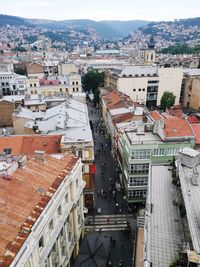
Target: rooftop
{"points": [[196, 130], [162, 232], [172, 126], [138, 70], [21, 201], [29, 143], [190, 186], [143, 138]]}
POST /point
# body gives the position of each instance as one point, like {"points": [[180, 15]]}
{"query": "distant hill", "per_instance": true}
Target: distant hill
{"points": [[13, 21], [109, 30]]}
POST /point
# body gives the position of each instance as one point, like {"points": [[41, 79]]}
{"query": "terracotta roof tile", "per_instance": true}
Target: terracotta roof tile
{"points": [[193, 119], [155, 115], [196, 130], [21, 204], [173, 126], [26, 145], [116, 99]]}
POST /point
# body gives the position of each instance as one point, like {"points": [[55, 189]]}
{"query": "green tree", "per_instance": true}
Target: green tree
{"points": [[167, 100], [92, 80]]}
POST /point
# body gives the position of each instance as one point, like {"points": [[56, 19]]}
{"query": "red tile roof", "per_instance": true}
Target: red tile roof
{"points": [[116, 99], [155, 115], [196, 130], [22, 204], [28, 144], [177, 127], [173, 126], [193, 119]]}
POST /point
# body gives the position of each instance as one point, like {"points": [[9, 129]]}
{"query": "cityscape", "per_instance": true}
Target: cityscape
{"points": [[99, 135]]}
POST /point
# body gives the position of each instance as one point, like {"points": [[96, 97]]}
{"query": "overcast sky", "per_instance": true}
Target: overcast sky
{"points": [[102, 9]]}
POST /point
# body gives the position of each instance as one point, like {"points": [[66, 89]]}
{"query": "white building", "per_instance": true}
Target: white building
{"points": [[12, 83], [146, 84], [42, 219]]}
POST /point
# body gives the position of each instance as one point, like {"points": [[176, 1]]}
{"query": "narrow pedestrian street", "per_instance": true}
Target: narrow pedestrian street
{"points": [[107, 198], [110, 215]]}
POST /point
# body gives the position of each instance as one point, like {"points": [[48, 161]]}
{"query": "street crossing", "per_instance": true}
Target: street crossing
{"points": [[117, 222]]}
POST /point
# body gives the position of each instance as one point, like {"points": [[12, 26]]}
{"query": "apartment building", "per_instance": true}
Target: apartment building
{"points": [[158, 141], [12, 83], [190, 89], [55, 85], [42, 214], [145, 84]]}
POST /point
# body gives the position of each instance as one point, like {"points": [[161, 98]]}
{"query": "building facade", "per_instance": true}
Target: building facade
{"points": [[146, 84], [51, 224]]}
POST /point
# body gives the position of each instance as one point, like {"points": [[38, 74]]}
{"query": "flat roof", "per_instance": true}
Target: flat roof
{"points": [[163, 224], [143, 138], [189, 152], [191, 196], [139, 70]]}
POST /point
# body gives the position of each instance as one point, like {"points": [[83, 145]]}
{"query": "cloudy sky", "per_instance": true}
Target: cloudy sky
{"points": [[102, 9]]}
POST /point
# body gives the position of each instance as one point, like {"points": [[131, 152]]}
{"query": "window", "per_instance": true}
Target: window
{"points": [[72, 83], [159, 152], [41, 242], [66, 89], [172, 151], [139, 181], [34, 84], [77, 183], [76, 83], [80, 153], [59, 210], [73, 89], [137, 194], [139, 168], [134, 90], [141, 154], [60, 89], [156, 81], [30, 84], [7, 151], [51, 225], [139, 89], [143, 89], [77, 89]]}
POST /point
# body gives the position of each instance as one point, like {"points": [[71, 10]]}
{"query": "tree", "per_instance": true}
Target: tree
{"points": [[167, 100], [92, 80]]}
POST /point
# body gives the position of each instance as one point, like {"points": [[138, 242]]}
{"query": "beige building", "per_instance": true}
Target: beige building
{"points": [[67, 68], [192, 93], [191, 89], [54, 86], [43, 226], [146, 84], [35, 70]]}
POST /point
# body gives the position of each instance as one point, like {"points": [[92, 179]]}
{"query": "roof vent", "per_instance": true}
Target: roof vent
{"points": [[39, 154], [41, 191]]}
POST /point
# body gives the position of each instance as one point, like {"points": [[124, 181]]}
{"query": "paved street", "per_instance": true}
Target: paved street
{"points": [[107, 199], [110, 216]]}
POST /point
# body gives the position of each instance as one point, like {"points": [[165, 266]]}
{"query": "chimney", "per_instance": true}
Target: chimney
{"points": [[39, 155]]}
